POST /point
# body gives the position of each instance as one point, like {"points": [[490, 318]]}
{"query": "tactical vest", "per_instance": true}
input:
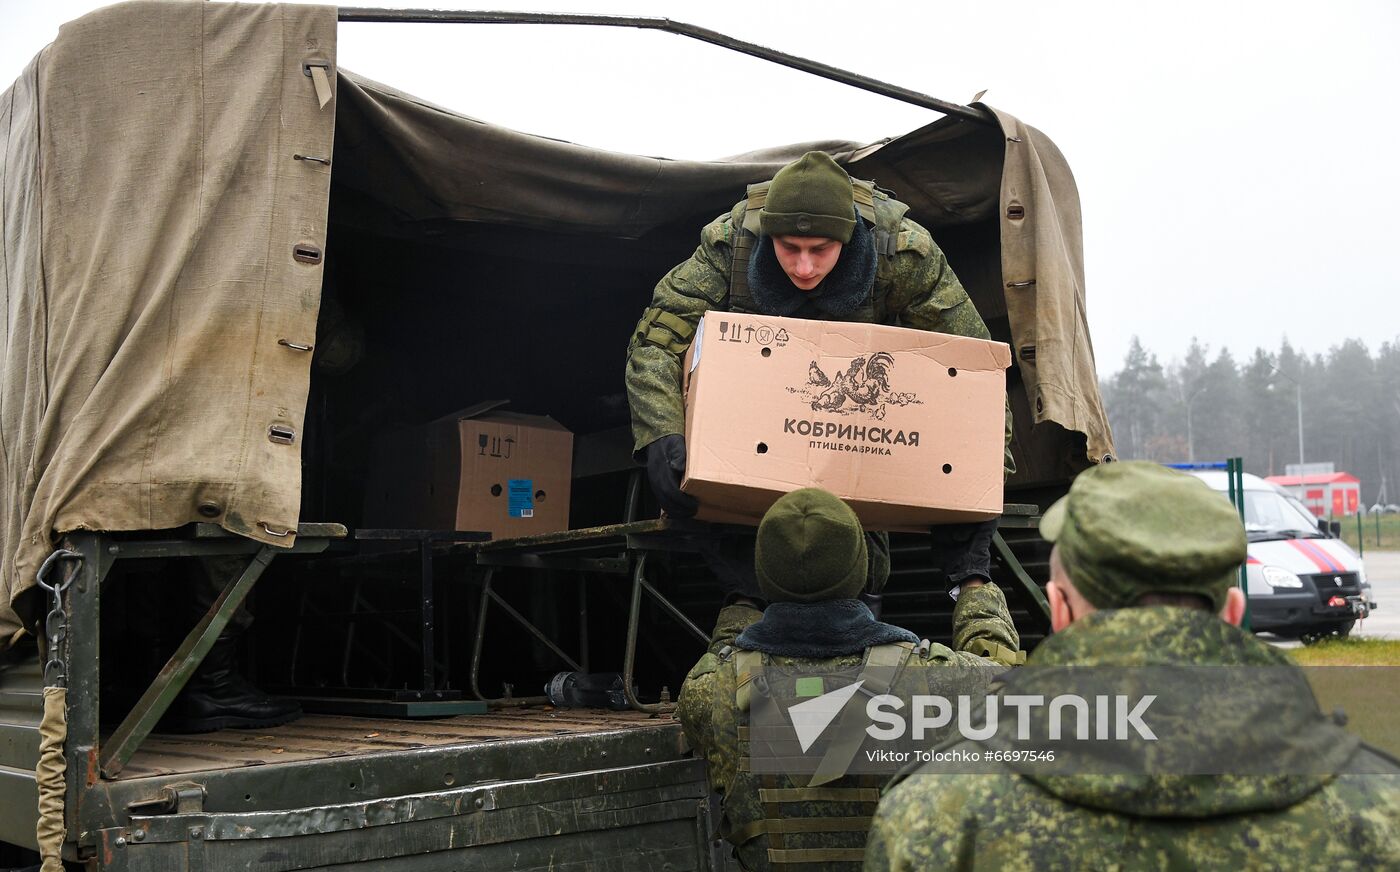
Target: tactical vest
{"points": [[833, 809], [881, 211]]}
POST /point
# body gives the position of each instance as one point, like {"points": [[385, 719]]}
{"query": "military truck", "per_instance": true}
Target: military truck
{"points": [[230, 269]]}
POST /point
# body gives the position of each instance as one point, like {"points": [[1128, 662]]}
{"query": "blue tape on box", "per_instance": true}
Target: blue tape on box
{"points": [[521, 503]]}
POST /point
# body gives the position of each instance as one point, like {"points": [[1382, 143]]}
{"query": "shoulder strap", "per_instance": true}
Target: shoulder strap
{"points": [[864, 194], [747, 665], [888, 224], [886, 214], [745, 238], [883, 664]]}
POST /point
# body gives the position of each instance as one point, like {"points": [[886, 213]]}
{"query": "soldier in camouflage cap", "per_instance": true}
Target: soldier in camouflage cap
{"points": [[1243, 771], [811, 565], [815, 244], [1133, 529]]}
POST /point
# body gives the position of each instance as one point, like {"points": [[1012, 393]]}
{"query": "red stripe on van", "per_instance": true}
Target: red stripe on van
{"points": [[1300, 545], [1322, 554]]}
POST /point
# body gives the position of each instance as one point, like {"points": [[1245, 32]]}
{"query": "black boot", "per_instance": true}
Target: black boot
{"points": [[218, 697]]}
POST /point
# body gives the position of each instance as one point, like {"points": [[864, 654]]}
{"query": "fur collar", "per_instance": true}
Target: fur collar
{"points": [[819, 630], [846, 288]]}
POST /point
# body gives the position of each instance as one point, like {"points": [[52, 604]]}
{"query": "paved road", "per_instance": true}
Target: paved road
{"points": [[1383, 571]]}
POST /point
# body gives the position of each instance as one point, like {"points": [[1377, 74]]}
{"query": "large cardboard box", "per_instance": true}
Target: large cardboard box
{"points": [[482, 468], [905, 425]]}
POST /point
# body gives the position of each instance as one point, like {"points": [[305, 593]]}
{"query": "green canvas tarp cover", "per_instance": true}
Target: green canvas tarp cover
{"points": [[159, 269]]}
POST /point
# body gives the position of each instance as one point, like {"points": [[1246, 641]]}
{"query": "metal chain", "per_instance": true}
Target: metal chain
{"points": [[56, 624]]}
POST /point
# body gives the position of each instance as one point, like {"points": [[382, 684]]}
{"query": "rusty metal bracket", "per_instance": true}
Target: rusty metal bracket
{"points": [[186, 797]]}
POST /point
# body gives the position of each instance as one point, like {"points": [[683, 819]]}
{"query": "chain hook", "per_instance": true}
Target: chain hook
{"points": [[56, 590], [55, 624]]}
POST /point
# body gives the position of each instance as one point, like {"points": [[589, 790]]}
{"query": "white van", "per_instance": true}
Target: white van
{"points": [[1302, 582]]}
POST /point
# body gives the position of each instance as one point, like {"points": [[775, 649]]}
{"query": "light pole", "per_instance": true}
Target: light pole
{"points": [[1190, 437], [1302, 475]]}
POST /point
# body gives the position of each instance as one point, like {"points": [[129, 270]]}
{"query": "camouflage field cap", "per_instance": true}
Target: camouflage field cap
{"points": [[810, 548], [812, 196], [1133, 528]]}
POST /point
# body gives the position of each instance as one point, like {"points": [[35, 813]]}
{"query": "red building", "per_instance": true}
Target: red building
{"points": [[1330, 493]]}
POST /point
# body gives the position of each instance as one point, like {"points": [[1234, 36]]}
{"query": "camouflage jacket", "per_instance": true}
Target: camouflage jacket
{"points": [[1296, 790], [985, 640], [915, 287]]}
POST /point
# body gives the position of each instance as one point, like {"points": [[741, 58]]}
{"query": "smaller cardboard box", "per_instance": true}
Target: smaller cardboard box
{"points": [[482, 468], [905, 425]]}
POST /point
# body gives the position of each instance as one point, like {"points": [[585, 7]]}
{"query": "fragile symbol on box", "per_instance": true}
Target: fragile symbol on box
{"points": [[746, 333], [499, 447]]}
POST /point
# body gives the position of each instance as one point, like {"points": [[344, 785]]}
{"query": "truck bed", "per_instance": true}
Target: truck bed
{"points": [[320, 736], [528, 788]]}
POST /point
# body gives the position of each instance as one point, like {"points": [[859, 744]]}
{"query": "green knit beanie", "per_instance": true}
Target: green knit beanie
{"points": [[810, 548], [811, 196], [1133, 528]]}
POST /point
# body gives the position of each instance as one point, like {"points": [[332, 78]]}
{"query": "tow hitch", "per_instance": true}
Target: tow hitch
{"points": [[1356, 604]]}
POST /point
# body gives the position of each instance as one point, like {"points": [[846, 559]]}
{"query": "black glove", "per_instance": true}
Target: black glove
{"points": [[665, 466], [963, 551]]}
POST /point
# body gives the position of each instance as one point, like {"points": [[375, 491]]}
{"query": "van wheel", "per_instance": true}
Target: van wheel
{"points": [[1332, 631]]}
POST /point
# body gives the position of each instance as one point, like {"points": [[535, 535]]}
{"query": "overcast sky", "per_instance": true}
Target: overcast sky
{"points": [[1235, 160]]}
